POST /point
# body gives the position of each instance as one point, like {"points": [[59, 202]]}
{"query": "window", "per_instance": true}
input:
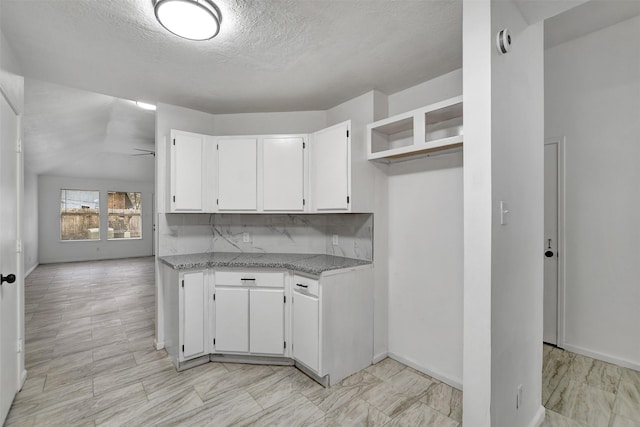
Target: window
{"points": [[125, 215], [79, 215]]}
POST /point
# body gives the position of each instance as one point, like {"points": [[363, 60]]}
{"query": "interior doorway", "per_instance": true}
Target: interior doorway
{"points": [[553, 305]]}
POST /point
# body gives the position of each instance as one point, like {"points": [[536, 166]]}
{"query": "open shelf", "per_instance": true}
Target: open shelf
{"points": [[430, 130]]}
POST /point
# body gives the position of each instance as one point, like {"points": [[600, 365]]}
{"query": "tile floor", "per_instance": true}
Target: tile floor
{"points": [[579, 391], [91, 361]]}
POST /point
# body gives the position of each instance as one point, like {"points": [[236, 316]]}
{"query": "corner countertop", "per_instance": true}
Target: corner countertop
{"points": [[313, 264]]}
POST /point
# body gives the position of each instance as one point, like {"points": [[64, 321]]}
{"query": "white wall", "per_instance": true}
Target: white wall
{"points": [[425, 244], [30, 222], [52, 249], [369, 194], [517, 135], [592, 97], [503, 157], [270, 123]]}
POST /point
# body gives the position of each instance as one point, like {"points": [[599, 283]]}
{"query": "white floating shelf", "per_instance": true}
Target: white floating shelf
{"points": [[430, 130]]}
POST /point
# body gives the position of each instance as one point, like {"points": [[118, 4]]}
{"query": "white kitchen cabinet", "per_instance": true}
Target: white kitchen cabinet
{"points": [[266, 321], [237, 174], [194, 314], [186, 161], [330, 168], [250, 313], [306, 326], [186, 316], [283, 174], [232, 320]]}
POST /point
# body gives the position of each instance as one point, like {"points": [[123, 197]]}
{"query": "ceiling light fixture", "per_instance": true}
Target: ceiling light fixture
{"points": [[189, 19], [146, 106]]}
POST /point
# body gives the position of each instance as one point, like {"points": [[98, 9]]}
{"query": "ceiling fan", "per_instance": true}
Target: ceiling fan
{"points": [[144, 152]]}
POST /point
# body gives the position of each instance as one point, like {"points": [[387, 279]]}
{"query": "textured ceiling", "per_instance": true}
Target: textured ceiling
{"points": [[270, 55], [70, 132]]}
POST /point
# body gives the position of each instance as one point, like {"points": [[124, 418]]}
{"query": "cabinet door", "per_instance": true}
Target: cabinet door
{"points": [[232, 320], [306, 331], [193, 313], [266, 321], [237, 174], [186, 171], [283, 174], [330, 168]]}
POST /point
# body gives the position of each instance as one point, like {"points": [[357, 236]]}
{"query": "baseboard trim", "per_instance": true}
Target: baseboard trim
{"points": [[23, 378], [453, 382], [31, 270], [379, 357], [601, 356], [538, 419], [158, 344]]}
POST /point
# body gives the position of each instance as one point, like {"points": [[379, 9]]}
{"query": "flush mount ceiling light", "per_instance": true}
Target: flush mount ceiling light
{"points": [[189, 19], [146, 106]]}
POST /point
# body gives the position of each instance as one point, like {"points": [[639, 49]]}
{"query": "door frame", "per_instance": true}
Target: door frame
{"points": [[21, 374], [560, 142]]}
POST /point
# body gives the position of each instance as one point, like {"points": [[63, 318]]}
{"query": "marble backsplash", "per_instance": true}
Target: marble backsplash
{"points": [[181, 234]]}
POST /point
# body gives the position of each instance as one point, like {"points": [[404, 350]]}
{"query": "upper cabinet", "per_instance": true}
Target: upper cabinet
{"points": [[237, 174], [330, 168], [427, 130], [261, 173], [283, 174], [186, 160]]}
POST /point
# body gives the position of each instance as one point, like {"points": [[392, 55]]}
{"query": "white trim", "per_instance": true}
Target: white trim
{"points": [[560, 141], [538, 419], [158, 344], [9, 100], [379, 357], [23, 378], [453, 382], [604, 357]]}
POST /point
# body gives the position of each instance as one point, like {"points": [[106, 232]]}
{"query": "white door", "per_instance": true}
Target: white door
{"points": [[232, 320], [550, 304], [186, 171], [329, 163], [283, 174], [306, 330], [266, 321], [237, 174], [194, 319], [8, 257]]}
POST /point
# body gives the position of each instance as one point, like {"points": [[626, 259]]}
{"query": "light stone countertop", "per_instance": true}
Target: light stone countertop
{"points": [[314, 264]]}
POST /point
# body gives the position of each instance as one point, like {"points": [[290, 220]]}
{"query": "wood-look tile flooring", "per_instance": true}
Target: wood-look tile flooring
{"points": [[91, 361], [579, 391]]}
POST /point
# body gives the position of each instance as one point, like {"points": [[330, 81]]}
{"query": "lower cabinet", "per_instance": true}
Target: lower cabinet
{"points": [[194, 313], [232, 320], [324, 325], [250, 313], [266, 321], [306, 324]]}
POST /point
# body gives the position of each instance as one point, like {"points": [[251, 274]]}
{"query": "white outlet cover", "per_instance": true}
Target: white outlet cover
{"points": [[336, 239]]}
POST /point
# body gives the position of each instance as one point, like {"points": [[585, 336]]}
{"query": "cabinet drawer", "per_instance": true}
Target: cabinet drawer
{"points": [[249, 278], [305, 285]]}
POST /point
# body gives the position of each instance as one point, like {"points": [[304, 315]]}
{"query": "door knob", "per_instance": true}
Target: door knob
{"points": [[9, 278], [548, 254]]}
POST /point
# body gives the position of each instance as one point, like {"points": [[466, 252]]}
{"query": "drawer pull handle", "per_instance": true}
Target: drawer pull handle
{"points": [[301, 285], [248, 279]]}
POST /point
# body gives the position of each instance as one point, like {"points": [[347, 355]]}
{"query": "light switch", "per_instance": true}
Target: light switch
{"points": [[336, 239]]}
